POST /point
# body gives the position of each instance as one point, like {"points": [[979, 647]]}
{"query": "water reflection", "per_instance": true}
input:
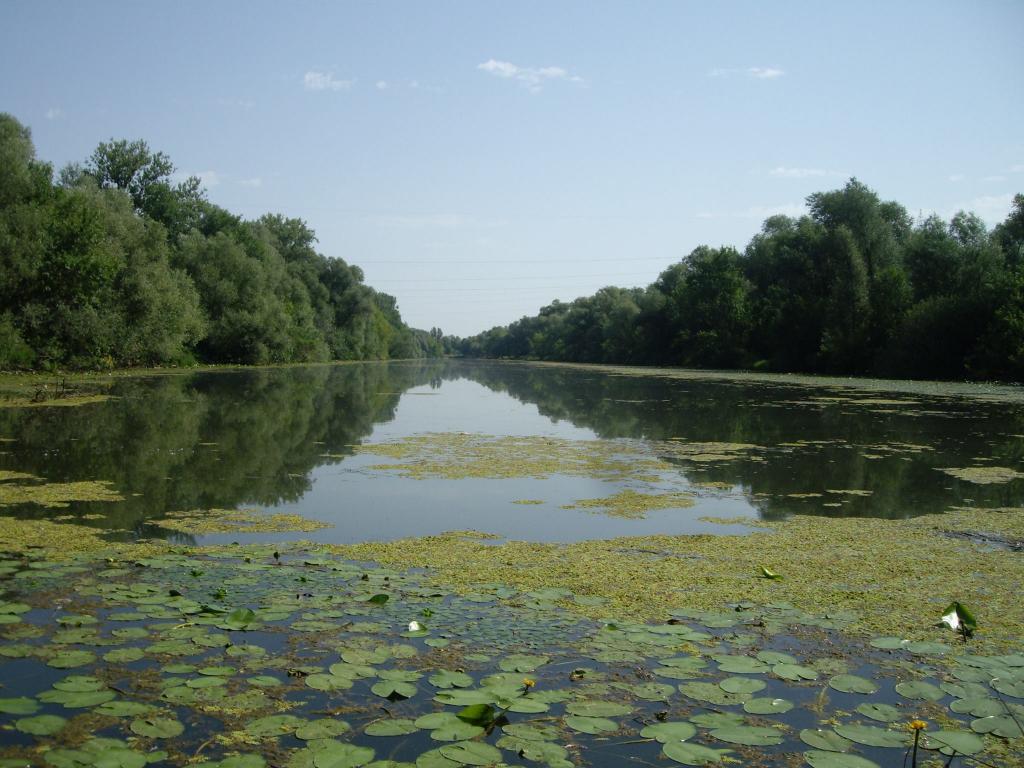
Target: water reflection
{"points": [[258, 437]]}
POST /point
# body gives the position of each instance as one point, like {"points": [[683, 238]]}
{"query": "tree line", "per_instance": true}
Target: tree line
{"points": [[855, 287], [114, 263]]}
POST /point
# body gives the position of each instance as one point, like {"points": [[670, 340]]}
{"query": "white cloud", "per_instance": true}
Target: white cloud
{"points": [[991, 208], [758, 73], [532, 78], [382, 85], [441, 221], [255, 181], [994, 178], [54, 113], [761, 212], [325, 81], [1019, 168], [765, 73], [208, 178], [957, 177], [800, 173]]}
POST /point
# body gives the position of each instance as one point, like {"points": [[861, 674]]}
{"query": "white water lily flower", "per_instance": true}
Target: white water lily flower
{"points": [[415, 626], [952, 620]]}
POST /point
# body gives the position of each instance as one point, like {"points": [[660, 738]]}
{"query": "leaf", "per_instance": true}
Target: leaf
{"points": [[748, 735], [818, 759], [948, 742], [666, 732], [19, 706], [883, 713], [919, 689], [830, 741], [769, 574], [767, 706], [322, 729], [598, 709], [872, 736], [477, 714], [959, 618], [742, 685], [339, 755], [40, 725], [591, 725], [157, 727], [379, 599], [852, 684], [397, 726], [693, 754], [470, 753]]}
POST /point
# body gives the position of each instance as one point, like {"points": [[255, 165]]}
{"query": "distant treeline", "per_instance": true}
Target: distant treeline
{"points": [[855, 287], [113, 263]]}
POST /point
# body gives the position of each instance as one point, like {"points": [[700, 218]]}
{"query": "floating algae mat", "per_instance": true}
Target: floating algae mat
{"points": [[246, 656]]}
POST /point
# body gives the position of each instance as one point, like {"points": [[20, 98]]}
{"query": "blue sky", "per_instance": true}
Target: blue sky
{"points": [[479, 159]]}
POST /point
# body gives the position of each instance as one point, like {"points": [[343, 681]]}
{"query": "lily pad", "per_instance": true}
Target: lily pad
{"points": [[872, 736], [749, 735], [820, 739], [157, 727], [919, 689], [960, 742], [767, 706], [883, 713], [591, 725], [671, 731], [822, 759], [693, 754], [340, 755], [40, 725], [470, 753]]}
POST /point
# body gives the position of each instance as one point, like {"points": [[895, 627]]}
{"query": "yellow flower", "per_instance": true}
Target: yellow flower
{"points": [[917, 725], [528, 683]]}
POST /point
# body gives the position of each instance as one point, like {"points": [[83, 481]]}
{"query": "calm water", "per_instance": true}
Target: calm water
{"points": [[282, 440]]}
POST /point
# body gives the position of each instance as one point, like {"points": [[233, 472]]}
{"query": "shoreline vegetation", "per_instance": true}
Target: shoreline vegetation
{"points": [[856, 287], [112, 263]]}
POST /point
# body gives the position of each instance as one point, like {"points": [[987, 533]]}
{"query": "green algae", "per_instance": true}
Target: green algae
{"points": [[459, 455], [983, 475], [896, 574], [633, 505], [205, 521], [55, 495]]}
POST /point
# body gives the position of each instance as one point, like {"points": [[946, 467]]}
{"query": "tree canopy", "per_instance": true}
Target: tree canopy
{"points": [[855, 287], [116, 264]]}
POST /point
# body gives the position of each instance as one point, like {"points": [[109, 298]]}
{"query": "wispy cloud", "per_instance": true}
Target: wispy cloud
{"points": [[1019, 168], [956, 177], [324, 81], [995, 177], [531, 78], [757, 73], [54, 113], [382, 85], [255, 181], [209, 178]]}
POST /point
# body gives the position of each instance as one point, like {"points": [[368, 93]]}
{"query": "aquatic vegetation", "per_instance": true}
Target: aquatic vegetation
{"points": [[204, 521], [54, 495], [293, 663], [633, 505], [876, 568], [458, 455], [983, 475]]}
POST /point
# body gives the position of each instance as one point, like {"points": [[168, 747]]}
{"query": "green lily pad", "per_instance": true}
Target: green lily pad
{"points": [[274, 725], [767, 706], [693, 754], [742, 685], [324, 728], [522, 662], [157, 727], [470, 753], [591, 725], [794, 672], [712, 694], [40, 725], [872, 736], [395, 726], [883, 713], [393, 689], [1000, 725], [339, 755], [919, 689], [456, 730], [821, 759], [852, 684], [444, 678], [748, 735], [820, 739], [71, 659], [717, 719], [19, 706], [948, 742], [670, 731], [598, 709], [123, 709]]}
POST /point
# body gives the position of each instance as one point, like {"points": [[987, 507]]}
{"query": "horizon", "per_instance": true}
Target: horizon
{"points": [[471, 159]]}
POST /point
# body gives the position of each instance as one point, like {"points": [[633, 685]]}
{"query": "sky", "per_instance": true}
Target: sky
{"points": [[480, 159]]}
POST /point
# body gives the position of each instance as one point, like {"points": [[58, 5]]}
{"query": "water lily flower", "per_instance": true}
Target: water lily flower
{"points": [[917, 725], [415, 626], [528, 683]]}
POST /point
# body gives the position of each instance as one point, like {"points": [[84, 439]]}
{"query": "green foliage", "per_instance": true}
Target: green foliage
{"points": [[118, 265], [854, 287]]}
